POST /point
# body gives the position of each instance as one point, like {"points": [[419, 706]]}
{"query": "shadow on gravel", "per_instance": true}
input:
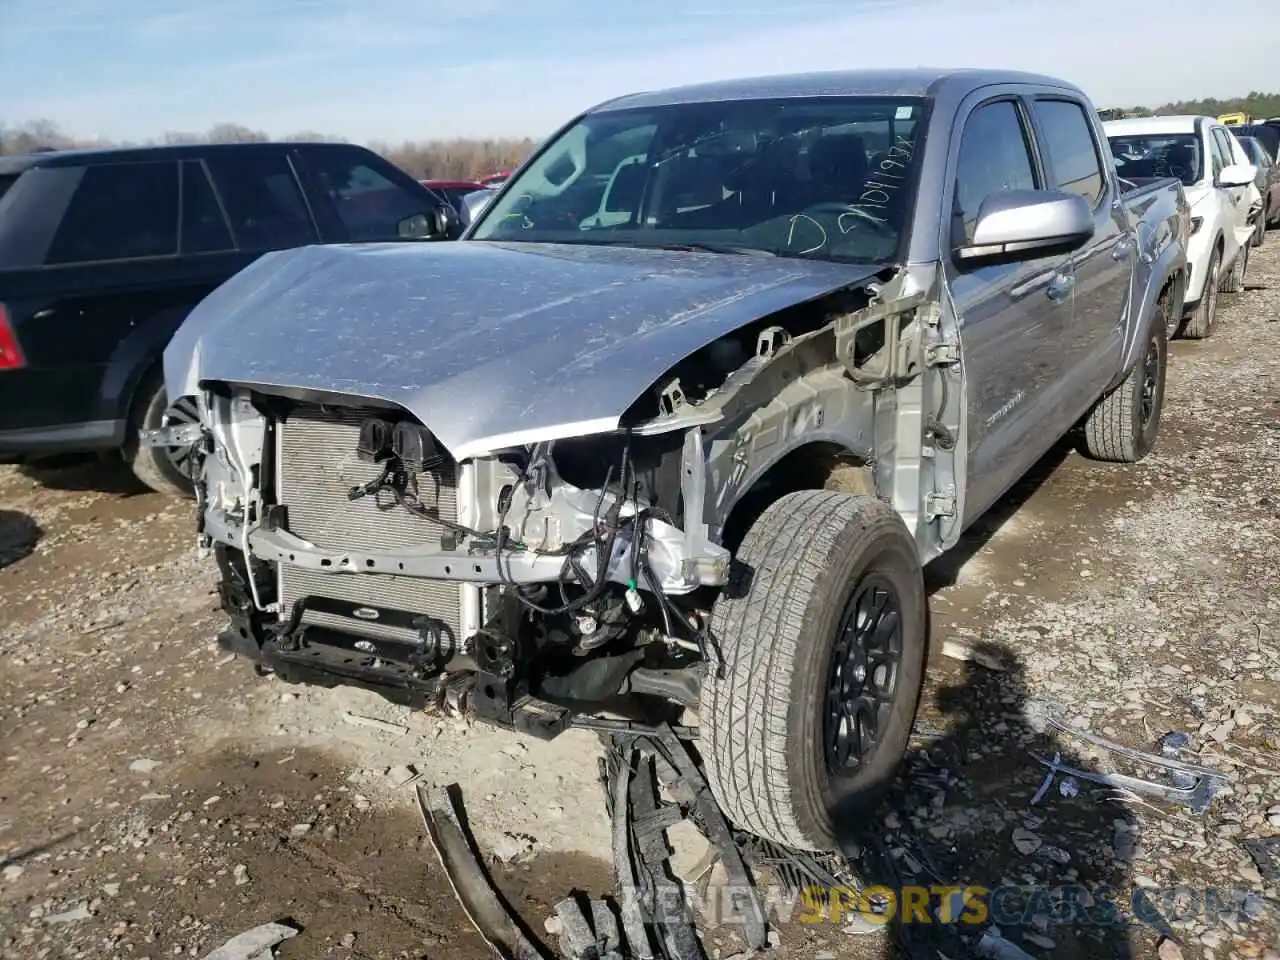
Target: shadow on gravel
{"points": [[105, 473], [961, 817], [19, 535], [945, 570]]}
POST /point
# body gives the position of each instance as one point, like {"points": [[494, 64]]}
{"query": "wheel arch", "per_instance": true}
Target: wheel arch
{"points": [[809, 465]]}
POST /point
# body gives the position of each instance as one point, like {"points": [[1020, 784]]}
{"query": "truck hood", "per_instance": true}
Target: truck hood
{"points": [[490, 345]]}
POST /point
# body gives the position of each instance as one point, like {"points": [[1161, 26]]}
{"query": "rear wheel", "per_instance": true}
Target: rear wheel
{"points": [[1123, 426], [1200, 323], [1234, 282], [823, 634], [163, 469]]}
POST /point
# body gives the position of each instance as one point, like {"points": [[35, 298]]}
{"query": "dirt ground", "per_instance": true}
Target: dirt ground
{"points": [[157, 797]]}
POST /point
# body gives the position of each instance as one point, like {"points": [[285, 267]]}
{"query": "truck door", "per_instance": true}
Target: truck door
{"points": [[1094, 338], [1012, 316]]}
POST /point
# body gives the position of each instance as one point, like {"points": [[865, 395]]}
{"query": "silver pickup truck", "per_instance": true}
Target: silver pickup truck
{"points": [[670, 433]]}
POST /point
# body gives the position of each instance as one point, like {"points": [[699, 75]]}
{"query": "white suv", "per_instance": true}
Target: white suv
{"points": [[1219, 183]]}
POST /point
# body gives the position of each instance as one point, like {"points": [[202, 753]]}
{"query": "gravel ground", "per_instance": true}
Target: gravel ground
{"points": [[157, 797]]}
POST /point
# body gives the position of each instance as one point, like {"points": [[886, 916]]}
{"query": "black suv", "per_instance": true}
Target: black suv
{"points": [[104, 252]]}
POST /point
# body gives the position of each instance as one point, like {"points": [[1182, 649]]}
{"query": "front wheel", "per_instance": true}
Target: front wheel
{"points": [[822, 630]]}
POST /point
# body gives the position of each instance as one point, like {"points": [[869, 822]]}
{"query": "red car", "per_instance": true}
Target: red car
{"points": [[495, 179], [453, 190]]}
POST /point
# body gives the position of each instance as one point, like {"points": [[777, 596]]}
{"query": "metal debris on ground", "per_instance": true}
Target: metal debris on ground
{"points": [[657, 918], [1189, 785], [256, 944], [1265, 853], [588, 938], [985, 655], [996, 947], [471, 885]]}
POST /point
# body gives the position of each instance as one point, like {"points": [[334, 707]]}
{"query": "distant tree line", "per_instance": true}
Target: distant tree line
{"points": [[457, 159], [469, 159], [1257, 105]]}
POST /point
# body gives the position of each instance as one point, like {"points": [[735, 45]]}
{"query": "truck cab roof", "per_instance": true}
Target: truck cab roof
{"points": [[918, 82]]}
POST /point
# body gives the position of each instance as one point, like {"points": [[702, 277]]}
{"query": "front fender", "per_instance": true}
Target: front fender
{"points": [[1170, 264]]}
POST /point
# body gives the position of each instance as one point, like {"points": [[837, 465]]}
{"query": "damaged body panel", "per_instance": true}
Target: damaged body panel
{"points": [[676, 424]]}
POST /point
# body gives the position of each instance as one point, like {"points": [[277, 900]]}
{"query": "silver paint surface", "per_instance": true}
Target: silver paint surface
{"points": [[486, 343]]}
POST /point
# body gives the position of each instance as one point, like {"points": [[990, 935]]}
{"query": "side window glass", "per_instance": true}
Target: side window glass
{"points": [[263, 201], [994, 156], [368, 203], [120, 211], [1215, 149], [203, 228], [1070, 148]]}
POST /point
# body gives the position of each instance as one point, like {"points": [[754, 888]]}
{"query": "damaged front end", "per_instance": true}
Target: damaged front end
{"points": [[354, 549], [531, 577]]}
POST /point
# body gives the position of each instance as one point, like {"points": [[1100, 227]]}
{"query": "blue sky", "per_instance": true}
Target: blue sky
{"points": [[417, 69]]}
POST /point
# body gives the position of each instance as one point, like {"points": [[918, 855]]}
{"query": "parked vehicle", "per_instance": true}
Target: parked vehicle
{"points": [[1202, 153], [452, 190], [103, 253], [495, 179], [1268, 134], [1268, 184], [694, 453]]}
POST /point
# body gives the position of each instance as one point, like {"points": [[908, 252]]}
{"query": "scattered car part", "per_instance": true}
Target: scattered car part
{"points": [[652, 899], [1265, 853], [256, 944], [996, 947], [484, 908], [588, 938], [1202, 784]]}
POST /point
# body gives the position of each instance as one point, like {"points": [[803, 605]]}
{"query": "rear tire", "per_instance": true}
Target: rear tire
{"points": [[1200, 323], [823, 630], [160, 468], [1234, 282], [1123, 427]]}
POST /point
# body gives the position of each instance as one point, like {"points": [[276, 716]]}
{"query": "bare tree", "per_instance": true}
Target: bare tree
{"points": [[457, 159]]}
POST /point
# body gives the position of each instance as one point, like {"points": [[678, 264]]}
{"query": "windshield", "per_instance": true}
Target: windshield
{"points": [[1159, 155], [827, 178]]}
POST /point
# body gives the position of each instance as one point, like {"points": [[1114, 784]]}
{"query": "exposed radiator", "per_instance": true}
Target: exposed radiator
{"points": [[316, 467]]}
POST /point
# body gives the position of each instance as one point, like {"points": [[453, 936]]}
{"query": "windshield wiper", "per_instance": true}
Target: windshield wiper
{"points": [[696, 247]]}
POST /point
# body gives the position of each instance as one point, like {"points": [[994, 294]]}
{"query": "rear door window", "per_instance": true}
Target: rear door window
{"points": [[368, 202], [204, 229], [263, 200], [119, 211], [994, 156], [1070, 149]]}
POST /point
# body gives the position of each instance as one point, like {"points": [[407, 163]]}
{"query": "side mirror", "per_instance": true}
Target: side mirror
{"points": [[1026, 224], [473, 203], [1237, 175], [440, 224]]}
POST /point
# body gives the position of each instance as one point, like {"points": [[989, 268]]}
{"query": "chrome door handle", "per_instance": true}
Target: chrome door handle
{"points": [[43, 314], [1060, 287]]}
